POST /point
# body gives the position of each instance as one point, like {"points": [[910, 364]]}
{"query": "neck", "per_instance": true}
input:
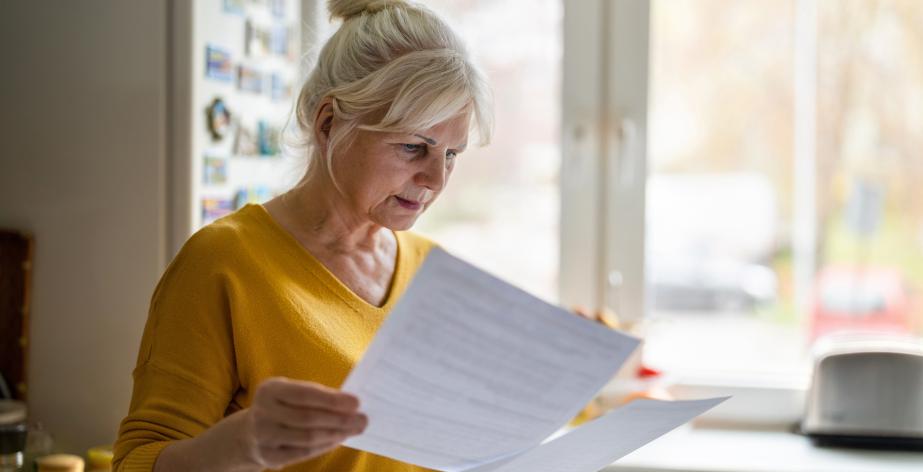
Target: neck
{"points": [[322, 213]]}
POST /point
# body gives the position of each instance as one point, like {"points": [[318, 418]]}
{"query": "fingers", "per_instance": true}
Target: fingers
{"points": [[276, 436], [304, 428], [279, 445], [283, 456], [308, 418], [294, 420], [291, 421], [299, 393], [604, 316], [609, 319], [584, 312]]}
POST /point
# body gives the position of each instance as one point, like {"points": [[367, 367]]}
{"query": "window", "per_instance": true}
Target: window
{"points": [[500, 209], [720, 190], [761, 157]]}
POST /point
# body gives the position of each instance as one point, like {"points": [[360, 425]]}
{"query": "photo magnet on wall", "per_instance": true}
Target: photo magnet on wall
{"points": [[234, 7], [278, 8], [249, 79], [245, 141], [218, 118], [256, 39], [278, 40], [218, 64], [215, 171], [214, 208], [268, 139], [252, 194], [281, 89]]}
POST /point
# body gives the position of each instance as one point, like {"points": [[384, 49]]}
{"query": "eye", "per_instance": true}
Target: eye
{"points": [[413, 149], [449, 155]]}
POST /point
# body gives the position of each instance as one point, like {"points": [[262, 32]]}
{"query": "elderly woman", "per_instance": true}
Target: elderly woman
{"points": [[263, 313]]}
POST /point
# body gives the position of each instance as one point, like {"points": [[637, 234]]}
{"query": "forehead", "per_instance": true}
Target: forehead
{"points": [[452, 132]]}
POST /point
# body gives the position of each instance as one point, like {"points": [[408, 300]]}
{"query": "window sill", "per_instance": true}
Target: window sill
{"points": [[763, 402], [699, 449]]}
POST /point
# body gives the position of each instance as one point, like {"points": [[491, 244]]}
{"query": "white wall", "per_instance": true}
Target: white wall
{"points": [[82, 167]]}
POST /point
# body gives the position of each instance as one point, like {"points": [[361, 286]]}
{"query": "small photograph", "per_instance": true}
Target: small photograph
{"points": [[267, 139], [249, 79], [256, 39], [218, 64], [215, 170], [214, 208], [234, 7], [218, 119], [245, 142], [278, 8], [255, 194], [281, 88], [279, 40]]}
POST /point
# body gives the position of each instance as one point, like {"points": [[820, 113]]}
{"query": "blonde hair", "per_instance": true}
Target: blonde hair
{"points": [[395, 60]]}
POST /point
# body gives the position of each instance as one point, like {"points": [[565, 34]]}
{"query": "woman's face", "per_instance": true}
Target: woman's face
{"points": [[392, 178]]}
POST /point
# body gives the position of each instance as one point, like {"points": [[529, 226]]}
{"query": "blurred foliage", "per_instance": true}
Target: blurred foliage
{"points": [[723, 102]]}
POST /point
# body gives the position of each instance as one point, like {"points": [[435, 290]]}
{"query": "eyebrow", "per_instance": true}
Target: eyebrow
{"points": [[432, 142]]}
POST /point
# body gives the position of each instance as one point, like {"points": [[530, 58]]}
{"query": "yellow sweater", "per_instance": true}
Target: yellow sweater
{"points": [[241, 302]]}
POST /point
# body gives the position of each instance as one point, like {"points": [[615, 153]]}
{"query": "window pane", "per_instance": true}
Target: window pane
{"points": [[870, 136], [721, 190], [500, 209]]}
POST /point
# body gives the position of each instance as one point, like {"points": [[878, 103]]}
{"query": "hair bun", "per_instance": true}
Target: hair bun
{"points": [[346, 9]]}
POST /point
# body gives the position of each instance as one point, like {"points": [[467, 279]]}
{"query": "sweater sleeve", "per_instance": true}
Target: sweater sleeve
{"points": [[186, 373]]}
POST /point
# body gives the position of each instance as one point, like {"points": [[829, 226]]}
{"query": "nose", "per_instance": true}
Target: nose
{"points": [[433, 173]]}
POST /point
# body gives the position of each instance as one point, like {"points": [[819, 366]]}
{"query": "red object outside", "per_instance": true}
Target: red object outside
{"points": [[857, 299]]}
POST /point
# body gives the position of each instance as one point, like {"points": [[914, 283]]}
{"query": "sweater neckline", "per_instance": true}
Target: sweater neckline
{"points": [[319, 271]]}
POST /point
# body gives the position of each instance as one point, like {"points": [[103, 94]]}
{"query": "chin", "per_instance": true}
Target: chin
{"points": [[398, 224], [403, 225]]}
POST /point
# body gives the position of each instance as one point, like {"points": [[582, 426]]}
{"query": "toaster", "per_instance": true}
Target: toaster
{"points": [[866, 391]]}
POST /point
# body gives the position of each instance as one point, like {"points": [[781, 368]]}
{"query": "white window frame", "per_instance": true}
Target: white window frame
{"points": [[604, 146], [603, 179]]}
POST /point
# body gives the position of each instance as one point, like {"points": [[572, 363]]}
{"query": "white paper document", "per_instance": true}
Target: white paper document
{"points": [[470, 373], [604, 440]]}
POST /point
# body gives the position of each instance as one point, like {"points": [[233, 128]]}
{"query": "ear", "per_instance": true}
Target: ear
{"points": [[323, 121]]}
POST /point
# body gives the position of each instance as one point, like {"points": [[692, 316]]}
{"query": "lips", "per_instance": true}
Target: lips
{"points": [[408, 204]]}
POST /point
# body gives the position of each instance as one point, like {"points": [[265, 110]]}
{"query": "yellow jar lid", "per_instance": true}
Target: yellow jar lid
{"points": [[99, 457], [60, 463]]}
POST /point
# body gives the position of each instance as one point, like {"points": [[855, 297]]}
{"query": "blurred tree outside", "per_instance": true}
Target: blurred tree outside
{"points": [[722, 102]]}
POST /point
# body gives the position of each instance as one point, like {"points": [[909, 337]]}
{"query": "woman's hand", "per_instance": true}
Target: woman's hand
{"points": [[289, 421], [605, 316]]}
